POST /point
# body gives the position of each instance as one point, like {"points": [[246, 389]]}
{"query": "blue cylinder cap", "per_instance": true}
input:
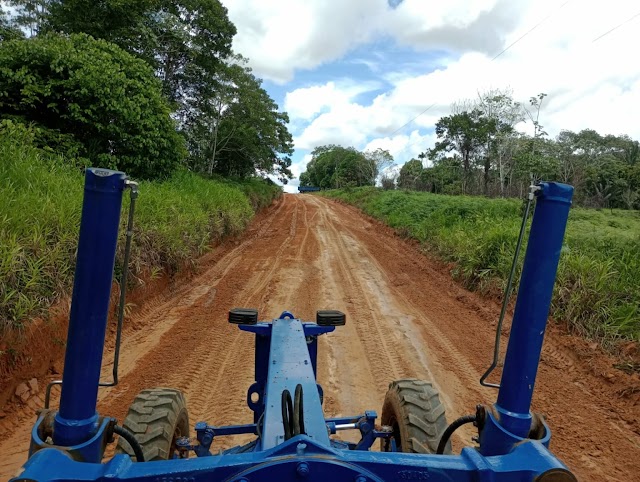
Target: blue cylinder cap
{"points": [[104, 180], [555, 191]]}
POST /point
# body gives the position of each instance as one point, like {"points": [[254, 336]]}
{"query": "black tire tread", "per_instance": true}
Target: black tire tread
{"points": [[155, 415], [416, 406]]}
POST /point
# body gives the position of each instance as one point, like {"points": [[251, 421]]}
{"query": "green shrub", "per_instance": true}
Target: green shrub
{"points": [[90, 98]]}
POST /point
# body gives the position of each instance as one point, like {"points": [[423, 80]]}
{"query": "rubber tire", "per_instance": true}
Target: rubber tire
{"points": [[156, 417], [413, 409]]}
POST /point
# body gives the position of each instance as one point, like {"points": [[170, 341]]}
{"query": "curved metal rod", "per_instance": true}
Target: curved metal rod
{"points": [[507, 292], [123, 282]]}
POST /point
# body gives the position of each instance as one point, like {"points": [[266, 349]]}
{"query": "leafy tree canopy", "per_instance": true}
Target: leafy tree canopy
{"points": [[184, 41], [334, 166], [231, 125], [95, 93], [238, 130]]}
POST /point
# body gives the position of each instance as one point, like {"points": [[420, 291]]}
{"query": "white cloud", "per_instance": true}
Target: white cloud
{"points": [[280, 37], [306, 102], [589, 84], [284, 36], [403, 147]]}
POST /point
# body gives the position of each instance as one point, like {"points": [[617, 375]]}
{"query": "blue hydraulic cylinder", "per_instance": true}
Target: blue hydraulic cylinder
{"points": [[77, 419], [532, 307]]}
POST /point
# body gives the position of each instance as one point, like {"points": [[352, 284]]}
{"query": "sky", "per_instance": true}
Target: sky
{"points": [[380, 73]]}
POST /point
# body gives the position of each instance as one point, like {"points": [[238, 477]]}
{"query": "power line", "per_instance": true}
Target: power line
{"points": [[531, 29], [494, 58], [405, 125], [616, 27]]}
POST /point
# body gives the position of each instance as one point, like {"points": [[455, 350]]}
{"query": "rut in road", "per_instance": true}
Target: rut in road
{"points": [[405, 318]]}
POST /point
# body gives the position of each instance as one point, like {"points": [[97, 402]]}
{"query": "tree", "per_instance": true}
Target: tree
{"points": [[410, 174], [89, 90], [8, 29], [387, 182], [239, 130], [30, 14], [184, 41], [334, 166], [377, 161], [498, 106], [258, 138], [601, 168], [231, 125], [444, 177], [538, 130], [465, 133]]}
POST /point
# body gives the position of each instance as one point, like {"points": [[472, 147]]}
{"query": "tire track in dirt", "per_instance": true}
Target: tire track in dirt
{"points": [[405, 318], [595, 431]]}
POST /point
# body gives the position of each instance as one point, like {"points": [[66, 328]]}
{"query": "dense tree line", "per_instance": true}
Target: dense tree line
{"points": [[142, 85], [479, 151], [333, 166]]}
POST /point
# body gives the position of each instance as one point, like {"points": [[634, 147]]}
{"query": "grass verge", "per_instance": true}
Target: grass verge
{"points": [[40, 204], [597, 290]]}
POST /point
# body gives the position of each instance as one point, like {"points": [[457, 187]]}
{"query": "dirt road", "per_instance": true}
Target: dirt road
{"points": [[405, 318]]}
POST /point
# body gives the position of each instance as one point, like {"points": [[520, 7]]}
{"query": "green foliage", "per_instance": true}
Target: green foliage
{"points": [[239, 131], [410, 173], [104, 98], [231, 125], [479, 151], [184, 41], [597, 290], [176, 221], [334, 167], [465, 133]]}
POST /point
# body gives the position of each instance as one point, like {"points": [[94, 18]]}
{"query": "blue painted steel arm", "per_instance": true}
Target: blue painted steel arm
{"points": [[77, 419], [511, 420], [262, 331], [289, 365]]}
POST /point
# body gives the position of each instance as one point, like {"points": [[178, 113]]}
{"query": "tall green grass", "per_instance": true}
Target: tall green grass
{"points": [[597, 290], [40, 203]]}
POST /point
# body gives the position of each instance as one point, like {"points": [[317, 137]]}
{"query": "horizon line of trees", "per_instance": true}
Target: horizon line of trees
{"points": [[144, 86], [480, 152]]}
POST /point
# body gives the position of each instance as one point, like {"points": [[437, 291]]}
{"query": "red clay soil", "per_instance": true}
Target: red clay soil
{"points": [[405, 318]]}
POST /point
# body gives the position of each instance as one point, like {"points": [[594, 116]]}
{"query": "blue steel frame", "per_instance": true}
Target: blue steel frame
{"points": [[286, 352]]}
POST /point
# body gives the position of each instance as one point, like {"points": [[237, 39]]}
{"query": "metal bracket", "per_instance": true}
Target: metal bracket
{"points": [[89, 451]]}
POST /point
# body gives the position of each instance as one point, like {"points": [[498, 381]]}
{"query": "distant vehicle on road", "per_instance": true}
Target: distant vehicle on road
{"points": [[308, 188]]}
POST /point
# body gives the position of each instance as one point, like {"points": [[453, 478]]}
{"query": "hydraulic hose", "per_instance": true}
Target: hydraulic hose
{"points": [[452, 428], [298, 411], [287, 414], [293, 413], [131, 439]]}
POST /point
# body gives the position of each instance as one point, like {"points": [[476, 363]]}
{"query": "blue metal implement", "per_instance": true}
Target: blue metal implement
{"points": [[290, 365], [529, 319], [293, 437], [77, 419], [308, 189]]}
